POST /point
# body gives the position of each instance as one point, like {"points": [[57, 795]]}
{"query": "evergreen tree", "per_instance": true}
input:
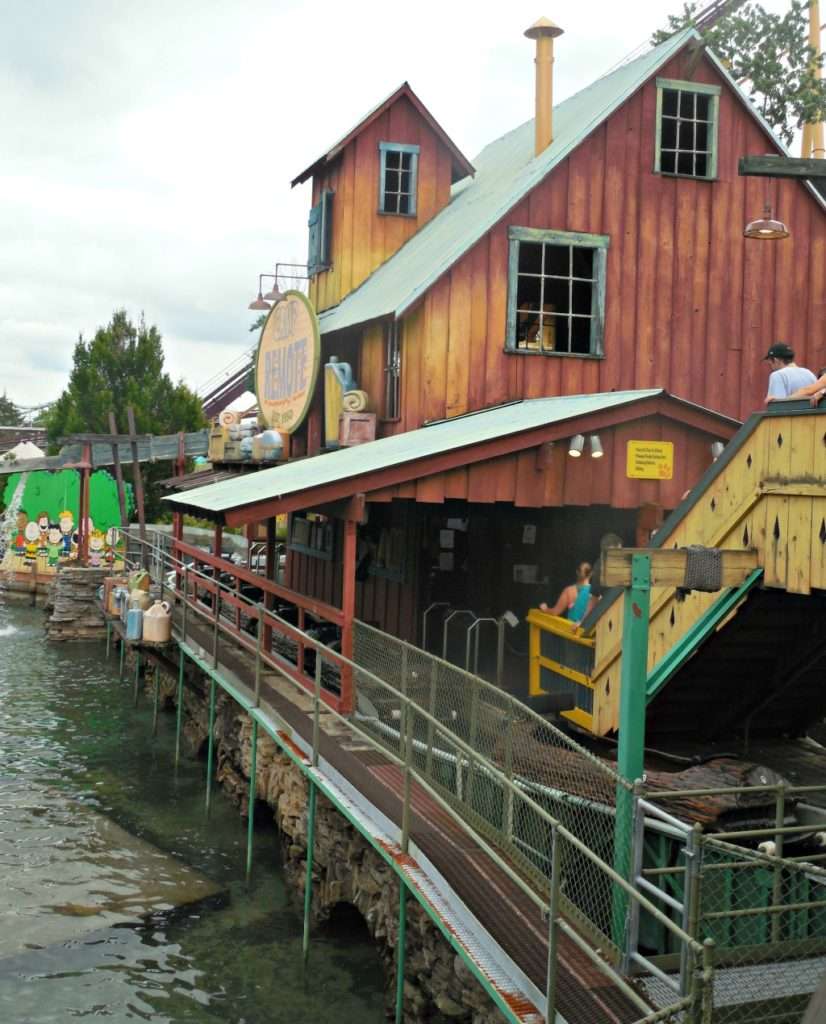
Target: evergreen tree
{"points": [[9, 413], [123, 365], [770, 56]]}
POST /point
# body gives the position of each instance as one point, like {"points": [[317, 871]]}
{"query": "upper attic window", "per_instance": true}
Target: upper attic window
{"points": [[398, 177], [320, 227], [687, 115]]}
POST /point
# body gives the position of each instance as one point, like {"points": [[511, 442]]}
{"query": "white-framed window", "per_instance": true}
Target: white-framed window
{"points": [[687, 128], [398, 178], [556, 292]]}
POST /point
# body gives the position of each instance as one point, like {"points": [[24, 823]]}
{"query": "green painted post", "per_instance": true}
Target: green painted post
{"points": [[108, 638], [155, 701], [630, 749], [401, 948], [308, 878], [251, 800], [319, 665], [137, 674], [179, 711], [553, 931], [211, 742], [122, 657]]}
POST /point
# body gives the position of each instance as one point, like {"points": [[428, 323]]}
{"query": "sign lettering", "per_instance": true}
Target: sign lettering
{"points": [[289, 355], [650, 460]]}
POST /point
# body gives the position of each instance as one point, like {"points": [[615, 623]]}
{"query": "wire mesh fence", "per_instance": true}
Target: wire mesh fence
{"points": [[553, 772], [767, 918]]}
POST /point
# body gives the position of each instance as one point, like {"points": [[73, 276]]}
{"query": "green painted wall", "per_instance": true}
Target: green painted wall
{"points": [[54, 492]]}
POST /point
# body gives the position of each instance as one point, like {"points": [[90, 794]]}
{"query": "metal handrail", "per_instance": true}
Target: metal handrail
{"points": [[700, 976]]}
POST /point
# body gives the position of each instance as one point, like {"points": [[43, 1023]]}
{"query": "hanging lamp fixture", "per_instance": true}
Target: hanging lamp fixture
{"points": [[766, 227]]}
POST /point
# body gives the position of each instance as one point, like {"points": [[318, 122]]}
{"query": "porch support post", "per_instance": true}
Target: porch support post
{"points": [[122, 654], [156, 699], [271, 571], [348, 607], [251, 798], [137, 674], [308, 877], [83, 510], [630, 749], [217, 540], [401, 949], [211, 741], [179, 711]]}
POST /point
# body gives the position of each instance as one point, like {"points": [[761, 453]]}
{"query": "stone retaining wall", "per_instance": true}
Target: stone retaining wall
{"points": [[346, 869], [76, 612]]}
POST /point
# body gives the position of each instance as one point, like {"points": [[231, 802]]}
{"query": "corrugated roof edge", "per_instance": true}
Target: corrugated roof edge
{"points": [[543, 168]]}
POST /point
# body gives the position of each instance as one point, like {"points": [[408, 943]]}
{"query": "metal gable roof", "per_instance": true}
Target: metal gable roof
{"points": [[433, 439], [506, 170]]}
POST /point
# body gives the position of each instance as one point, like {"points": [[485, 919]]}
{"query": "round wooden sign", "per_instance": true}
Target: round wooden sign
{"points": [[286, 367]]}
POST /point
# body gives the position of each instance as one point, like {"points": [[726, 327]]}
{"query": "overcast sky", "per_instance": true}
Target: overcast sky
{"points": [[148, 145]]}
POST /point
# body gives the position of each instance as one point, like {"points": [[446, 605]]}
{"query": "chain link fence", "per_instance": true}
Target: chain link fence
{"points": [[554, 772]]}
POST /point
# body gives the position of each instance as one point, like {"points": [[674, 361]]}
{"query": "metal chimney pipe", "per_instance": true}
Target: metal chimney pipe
{"points": [[544, 32]]}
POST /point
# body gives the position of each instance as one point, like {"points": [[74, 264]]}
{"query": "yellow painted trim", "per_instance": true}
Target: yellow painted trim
{"points": [[559, 627], [581, 718], [568, 673]]}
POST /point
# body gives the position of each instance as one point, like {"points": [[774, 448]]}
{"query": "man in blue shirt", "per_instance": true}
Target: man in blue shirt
{"points": [[786, 376]]}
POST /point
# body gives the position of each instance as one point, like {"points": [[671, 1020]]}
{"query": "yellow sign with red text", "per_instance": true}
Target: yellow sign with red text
{"points": [[650, 460], [286, 367]]}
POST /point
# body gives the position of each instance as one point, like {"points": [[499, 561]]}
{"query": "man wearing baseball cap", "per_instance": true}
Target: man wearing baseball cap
{"points": [[786, 375]]}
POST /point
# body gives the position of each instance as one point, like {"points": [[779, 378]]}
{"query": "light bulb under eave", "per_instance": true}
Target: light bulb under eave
{"points": [[259, 303], [576, 446], [596, 447], [274, 295]]}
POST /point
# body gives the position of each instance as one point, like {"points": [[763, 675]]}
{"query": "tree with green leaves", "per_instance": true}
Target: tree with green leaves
{"points": [[9, 413], [770, 57], [123, 365]]}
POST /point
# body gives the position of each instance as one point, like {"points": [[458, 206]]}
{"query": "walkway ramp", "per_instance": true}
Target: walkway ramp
{"points": [[751, 657]]}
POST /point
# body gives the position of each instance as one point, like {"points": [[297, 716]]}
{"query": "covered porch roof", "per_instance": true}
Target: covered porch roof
{"points": [[434, 448]]}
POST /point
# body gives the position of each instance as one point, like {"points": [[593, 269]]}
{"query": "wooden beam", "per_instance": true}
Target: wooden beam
{"points": [[781, 167], [668, 566], [137, 479], [354, 509], [118, 472]]}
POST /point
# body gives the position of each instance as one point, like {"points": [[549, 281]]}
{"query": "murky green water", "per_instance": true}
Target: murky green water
{"points": [[90, 924]]}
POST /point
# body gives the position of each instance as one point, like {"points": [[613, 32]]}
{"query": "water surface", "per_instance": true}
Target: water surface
{"points": [[120, 901]]}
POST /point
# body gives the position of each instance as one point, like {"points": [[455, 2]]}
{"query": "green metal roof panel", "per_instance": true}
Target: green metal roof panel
{"points": [[433, 439], [506, 170]]}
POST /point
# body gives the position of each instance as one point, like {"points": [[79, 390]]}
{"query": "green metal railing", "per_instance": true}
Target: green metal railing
{"points": [[446, 753]]}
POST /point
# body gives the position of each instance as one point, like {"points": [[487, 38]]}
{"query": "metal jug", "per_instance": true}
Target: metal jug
{"points": [[139, 599], [134, 624], [157, 623]]}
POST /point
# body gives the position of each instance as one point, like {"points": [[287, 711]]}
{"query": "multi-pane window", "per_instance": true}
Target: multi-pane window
{"points": [[397, 178], [556, 292], [687, 114]]}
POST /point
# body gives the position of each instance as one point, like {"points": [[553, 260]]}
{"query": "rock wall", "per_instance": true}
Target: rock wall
{"points": [[76, 612], [346, 869]]}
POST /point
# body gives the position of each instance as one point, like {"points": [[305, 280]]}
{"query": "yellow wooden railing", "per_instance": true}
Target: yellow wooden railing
{"points": [[560, 663]]}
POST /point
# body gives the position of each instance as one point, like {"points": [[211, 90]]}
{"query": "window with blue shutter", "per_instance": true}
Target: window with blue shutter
{"points": [[319, 226]]}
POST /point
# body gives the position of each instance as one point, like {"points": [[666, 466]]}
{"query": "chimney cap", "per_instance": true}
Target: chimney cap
{"points": [[543, 27]]}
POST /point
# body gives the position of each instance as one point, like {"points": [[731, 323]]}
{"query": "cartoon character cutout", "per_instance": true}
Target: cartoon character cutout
{"points": [[32, 536], [55, 545], [43, 527], [112, 543], [97, 540], [20, 535], [67, 526]]}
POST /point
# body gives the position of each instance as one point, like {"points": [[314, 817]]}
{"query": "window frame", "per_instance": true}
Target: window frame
{"points": [[599, 244], [399, 147], [392, 404], [700, 88], [324, 236]]}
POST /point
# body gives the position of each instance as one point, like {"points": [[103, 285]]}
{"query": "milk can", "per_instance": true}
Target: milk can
{"points": [[134, 624], [157, 623]]}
